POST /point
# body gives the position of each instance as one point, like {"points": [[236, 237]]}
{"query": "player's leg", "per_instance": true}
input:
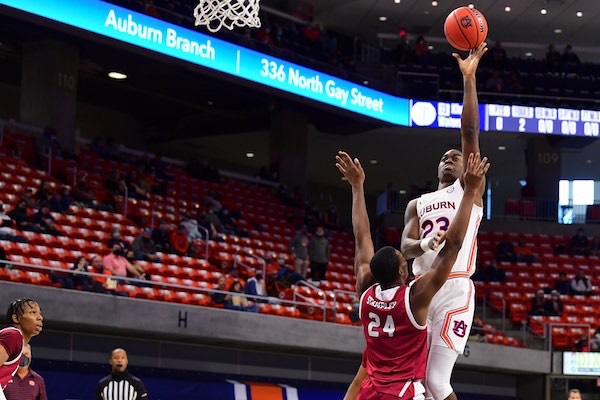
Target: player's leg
{"points": [[454, 308]]}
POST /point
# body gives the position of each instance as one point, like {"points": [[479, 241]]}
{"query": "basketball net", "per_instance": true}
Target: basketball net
{"points": [[216, 14]]}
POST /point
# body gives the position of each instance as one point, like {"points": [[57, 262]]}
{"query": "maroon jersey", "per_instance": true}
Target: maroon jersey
{"points": [[12, 341], [396, 349]]}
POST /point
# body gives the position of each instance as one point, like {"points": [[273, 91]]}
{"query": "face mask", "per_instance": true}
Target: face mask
{"points": [[25, 361], [118, 252]]}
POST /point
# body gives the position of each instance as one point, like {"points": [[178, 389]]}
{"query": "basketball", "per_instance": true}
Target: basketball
{"points": [[465, 28]]}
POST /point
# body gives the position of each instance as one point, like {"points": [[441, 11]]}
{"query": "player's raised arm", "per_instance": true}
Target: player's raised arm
{"points": [[429, 283], [364, 249], [469, 121]]}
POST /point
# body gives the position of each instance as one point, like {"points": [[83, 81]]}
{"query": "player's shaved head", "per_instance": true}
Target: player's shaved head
{"points": [[388, 266]]}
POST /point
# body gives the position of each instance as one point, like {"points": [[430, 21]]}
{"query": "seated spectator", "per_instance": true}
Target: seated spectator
{"points": [[524, 253], [255, 286], [43, 221], [495, 82], [478, 330], [234, 276], [20, 216], [161, 237], [580, 284], [143, 247], [505, 250], [554, 306], [513, 83], [140, 273], [82, 193], [61, 201], [191, 226], [86, 282], [110, 284], [30, 199], [115, 238], [595, 342], [580, 244], [562, 284], [570, 61], [221, 298], [582, 345], [595, 246], [180, 243], [490, 272], [239, 302], [117, 264], [287, 274], [7, 231], [538, 303], [212, 200], [3, 259], [553, 59], [44, 193], [421, 47]]}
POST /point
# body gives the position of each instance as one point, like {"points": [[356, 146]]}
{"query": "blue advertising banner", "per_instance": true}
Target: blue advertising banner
{"points": [[150, 33]]}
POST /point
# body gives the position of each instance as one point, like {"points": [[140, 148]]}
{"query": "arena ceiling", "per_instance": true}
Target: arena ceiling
{"points": [[523, 27]]}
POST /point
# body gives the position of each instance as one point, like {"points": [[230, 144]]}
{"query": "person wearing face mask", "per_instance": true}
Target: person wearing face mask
{"points": [[318, 254], [120, 384], [115, 238], [7, 231], [117, 264], [26, 384]]}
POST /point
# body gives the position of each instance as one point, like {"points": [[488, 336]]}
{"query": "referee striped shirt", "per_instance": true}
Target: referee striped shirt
{"points": [[121, 386]]}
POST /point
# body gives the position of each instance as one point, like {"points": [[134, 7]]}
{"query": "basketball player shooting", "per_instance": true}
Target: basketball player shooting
{"points": [[394, 315], [426, 219]]}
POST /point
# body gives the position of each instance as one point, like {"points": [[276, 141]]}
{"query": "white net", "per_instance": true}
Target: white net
{"points": [[216, 14]]}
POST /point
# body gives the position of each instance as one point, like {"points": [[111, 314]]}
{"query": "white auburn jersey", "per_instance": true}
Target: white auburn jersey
{"points": [[436, 211]]}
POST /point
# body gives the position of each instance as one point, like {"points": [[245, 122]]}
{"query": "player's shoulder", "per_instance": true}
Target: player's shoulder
{"points": [[104, 381], [10, 331]]}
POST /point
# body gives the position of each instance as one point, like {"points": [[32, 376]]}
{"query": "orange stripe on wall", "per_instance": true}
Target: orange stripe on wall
{"points": [[262, 391]]}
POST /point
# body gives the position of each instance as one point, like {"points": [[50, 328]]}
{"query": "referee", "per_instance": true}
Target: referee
{"points": [[120, 384]]}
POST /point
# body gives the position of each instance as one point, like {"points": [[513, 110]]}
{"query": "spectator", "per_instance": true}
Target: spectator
{"points": [[180, 243], [255, 286], [30, 199], [595, 246], [212, 200], [582, 345], [318, 253], [538, 303], [143, 247], [238, 301], [421, 48], [61, 201], [234, 276], [191, 226], [43, 221], [83, 281], [497, 56], [286, 274], [26, 384], [523, 253], [7, 231], [20, 216], [554, 306], [44, 193], [595, 342], [115, 238], [580, 244], [120, 384], [299, 249], [574, 394], [221, 299], [139, 271], [505, 250], [513, 83], [212, 218], [110, 284], [161, 238], [82, 193], [478, 331], [117, 264], [581, 284], [3, 259], [65, 279], [562, 284]]}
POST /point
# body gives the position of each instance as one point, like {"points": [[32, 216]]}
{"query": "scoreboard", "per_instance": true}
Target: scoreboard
{"points": [[509, 118], [542, 120]]}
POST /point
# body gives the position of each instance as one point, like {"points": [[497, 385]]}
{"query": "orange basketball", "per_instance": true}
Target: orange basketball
{"points": [[465, 28]]}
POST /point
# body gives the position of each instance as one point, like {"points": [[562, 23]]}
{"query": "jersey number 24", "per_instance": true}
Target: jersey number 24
{"points": [[375, 324]]}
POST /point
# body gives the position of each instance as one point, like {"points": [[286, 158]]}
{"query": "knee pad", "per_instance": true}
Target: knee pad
{"points": [[439, 390]]}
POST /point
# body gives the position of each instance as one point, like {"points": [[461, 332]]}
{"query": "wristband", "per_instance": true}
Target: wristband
{"points": [[425, 245]]}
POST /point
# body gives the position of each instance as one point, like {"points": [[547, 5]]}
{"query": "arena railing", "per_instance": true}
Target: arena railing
{"points": [[237, 261], [487, 302], [296, 304], [548, 331], [307, 299]]}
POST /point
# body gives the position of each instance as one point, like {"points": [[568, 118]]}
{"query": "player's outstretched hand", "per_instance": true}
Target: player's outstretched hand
{"points": [[475, 173], [468, 66], [437, 240], [350, 168]]}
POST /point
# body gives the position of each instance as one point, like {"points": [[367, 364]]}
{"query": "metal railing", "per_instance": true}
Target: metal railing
{"points": [[9, 265], [237, 261], [548, 331], [307, 299]]}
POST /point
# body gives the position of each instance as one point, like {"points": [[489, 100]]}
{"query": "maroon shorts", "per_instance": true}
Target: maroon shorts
{"points": [[368, 392]]}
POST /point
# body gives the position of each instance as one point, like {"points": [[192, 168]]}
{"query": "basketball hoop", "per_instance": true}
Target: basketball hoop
{"points": [[216, 14]]}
